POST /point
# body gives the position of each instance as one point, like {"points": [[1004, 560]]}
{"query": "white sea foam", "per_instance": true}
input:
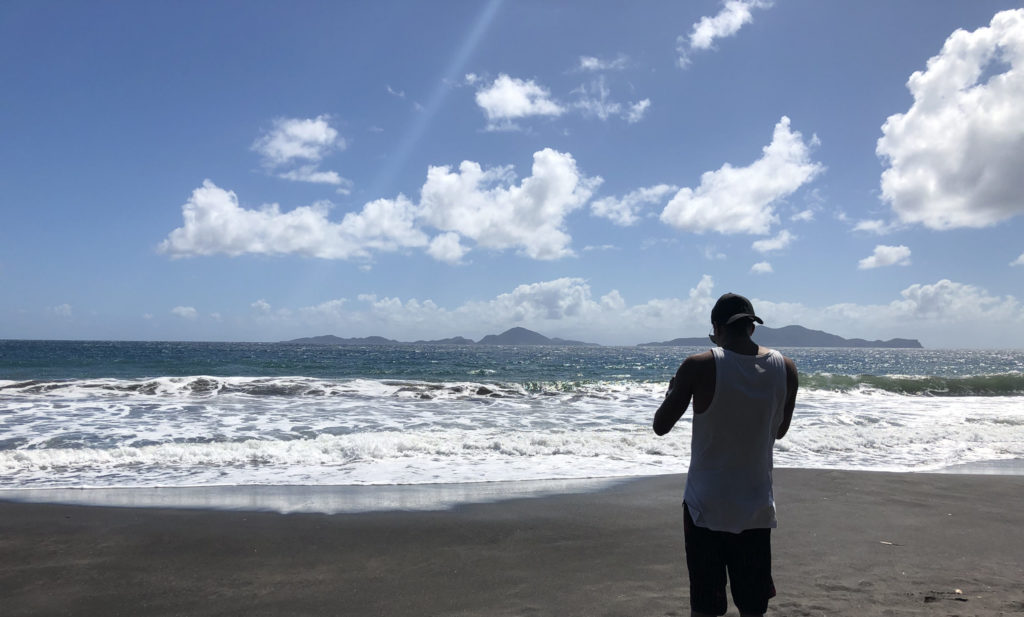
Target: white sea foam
{"points": [[192, 431]]}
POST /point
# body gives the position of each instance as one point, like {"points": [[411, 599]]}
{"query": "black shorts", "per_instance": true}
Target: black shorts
{"points": [[747, 557]]}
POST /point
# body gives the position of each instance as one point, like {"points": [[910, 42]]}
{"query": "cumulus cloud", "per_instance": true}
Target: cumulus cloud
{"points": [[886, 256], [625, 210], [947, 300], [742, 199], [1019, 261], [761, 267], [293, 139], [954, 158], [215, 222], [734, 15], [779, 242], [293, 147], [485, 206], [185, 312], [508, 99]]}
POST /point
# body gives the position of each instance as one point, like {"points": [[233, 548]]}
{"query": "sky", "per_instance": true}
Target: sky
{"points": [[599, 171]]}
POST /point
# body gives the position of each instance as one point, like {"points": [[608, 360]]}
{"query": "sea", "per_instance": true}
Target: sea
{"points": [[80, 415]]}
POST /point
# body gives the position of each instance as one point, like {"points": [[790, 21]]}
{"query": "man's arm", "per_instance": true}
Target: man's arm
{"points": [[680, 390], [792, 383]]}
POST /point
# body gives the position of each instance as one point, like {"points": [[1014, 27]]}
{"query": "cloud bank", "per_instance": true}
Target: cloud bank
{"points": [[568, 307]]}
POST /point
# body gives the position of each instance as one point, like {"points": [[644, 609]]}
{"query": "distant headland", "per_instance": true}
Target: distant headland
{"points": [[797, 336], [788, 336]]}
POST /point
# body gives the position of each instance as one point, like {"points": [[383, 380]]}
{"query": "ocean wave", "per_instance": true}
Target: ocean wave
{"points": [[1004, 384], [208, 386]]}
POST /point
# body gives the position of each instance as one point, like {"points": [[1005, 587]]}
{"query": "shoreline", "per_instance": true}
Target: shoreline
{"points": [[848, 542], [363, 498]]}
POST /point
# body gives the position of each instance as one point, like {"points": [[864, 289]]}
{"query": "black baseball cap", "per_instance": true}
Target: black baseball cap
{"points": [[731, 307]]}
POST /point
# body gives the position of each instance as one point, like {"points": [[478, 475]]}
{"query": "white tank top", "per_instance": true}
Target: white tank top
{"points": [[729, 483]]}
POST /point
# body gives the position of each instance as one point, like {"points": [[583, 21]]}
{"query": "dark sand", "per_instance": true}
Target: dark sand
{"points": [[849, 543]]}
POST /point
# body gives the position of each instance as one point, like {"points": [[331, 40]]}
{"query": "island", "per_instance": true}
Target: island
{"points": [[788, 336], [796, 336], [512, 336]]}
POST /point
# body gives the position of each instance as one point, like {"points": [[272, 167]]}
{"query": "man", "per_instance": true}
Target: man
{"points": [[743, 398]]}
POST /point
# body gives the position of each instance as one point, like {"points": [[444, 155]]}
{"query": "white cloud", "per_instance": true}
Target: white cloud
{"points": [[591, 63], [309, 173], [955, 157], [293, 139], [399, 93], [804, 216], [779, 242], [625, 210], [446, 247], [185, 312], [508, 99], [214, 222], [734, 15], [484, 206], [886, 256], [761, 267], [1019, 261], [876, 226], [742, 199]]}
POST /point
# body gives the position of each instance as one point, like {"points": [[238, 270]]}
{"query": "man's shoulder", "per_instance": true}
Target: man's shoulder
{"points": [[703, 357]]}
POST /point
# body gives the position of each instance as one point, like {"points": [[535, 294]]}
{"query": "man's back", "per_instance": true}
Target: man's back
{"points": [[729, 483]]}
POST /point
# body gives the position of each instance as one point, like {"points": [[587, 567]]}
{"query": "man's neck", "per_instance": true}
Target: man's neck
{"points": [[745, 346]]}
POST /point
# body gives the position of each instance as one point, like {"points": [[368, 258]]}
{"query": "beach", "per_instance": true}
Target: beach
{"points": [[848, 543]]}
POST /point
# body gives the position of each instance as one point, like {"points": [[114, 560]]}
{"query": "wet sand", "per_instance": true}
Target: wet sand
{"points": [[848, 543]]}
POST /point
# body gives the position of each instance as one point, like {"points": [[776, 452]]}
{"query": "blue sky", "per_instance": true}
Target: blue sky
{"points": [[592, 170]]}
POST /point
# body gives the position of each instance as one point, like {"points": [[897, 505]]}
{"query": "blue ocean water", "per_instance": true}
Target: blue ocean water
{"points": [[147, 414]]}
